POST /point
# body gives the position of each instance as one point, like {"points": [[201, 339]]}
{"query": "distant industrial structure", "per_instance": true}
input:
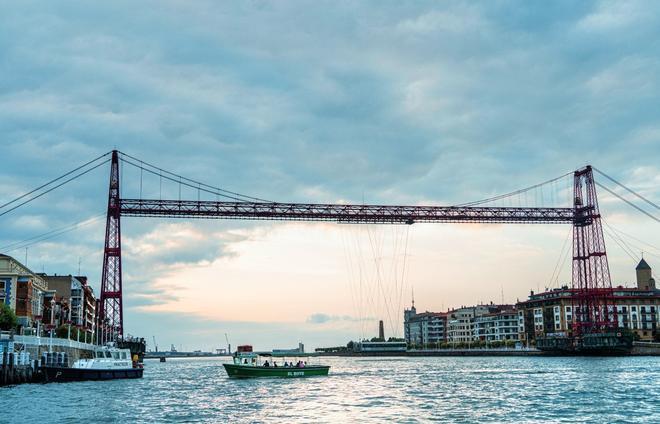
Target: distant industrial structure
{"points": [[543, 314]]}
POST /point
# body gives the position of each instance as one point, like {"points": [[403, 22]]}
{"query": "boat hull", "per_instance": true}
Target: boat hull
{"points": [[247, 371], [63, 374]]}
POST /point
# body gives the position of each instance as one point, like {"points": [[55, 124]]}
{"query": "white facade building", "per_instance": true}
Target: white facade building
{"points": [[497, 326]]}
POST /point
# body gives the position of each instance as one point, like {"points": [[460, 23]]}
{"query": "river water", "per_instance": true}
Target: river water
{"points": [[475, 389]]}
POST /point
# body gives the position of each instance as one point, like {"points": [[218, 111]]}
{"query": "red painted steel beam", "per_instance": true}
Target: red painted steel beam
{"points": [[345, 213]]}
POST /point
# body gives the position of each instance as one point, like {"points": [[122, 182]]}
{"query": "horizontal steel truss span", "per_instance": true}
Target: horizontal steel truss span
{"points": [[345, 213]]}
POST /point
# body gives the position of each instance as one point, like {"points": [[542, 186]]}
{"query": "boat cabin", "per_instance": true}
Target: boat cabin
{"points": [[107, 357], [273, 359], [274, 364]]}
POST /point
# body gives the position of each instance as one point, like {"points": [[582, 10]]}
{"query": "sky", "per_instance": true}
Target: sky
{"points": [[366, 102]]}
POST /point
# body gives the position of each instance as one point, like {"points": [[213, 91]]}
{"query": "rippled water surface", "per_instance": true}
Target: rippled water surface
{"points": [[490, 389]]}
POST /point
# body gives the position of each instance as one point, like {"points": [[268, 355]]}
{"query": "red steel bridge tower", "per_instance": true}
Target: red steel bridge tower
{"points": [[110, 311], [594, 311], [593, 307]]}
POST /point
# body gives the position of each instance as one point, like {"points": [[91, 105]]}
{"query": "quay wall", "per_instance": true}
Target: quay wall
{"points": [[20, 356], [646, 349], [442, 352], [16, 368], [641, 349]]}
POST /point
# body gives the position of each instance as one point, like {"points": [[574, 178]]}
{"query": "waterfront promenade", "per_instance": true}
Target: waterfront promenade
{"points": [[639, 349], [36, 346]]}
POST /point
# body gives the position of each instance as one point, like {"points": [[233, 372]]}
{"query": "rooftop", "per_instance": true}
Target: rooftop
{"points": [[642, 265]]}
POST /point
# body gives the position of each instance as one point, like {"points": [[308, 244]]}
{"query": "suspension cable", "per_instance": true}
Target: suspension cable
{"points": [[53, 188], [561, 260], [655, 248], [628, 189], [627, 201], [162, 174], [53, 181], [626, 249], [621, 244], [190, 182], [513, 193], [629, 251], [50, 234]]}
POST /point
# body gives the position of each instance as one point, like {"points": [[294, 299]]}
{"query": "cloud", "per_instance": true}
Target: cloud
{"points": [[405, 103], [321, 318]]}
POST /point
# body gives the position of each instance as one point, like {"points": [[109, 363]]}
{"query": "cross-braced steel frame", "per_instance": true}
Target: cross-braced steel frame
{"points": [[593, 309]]}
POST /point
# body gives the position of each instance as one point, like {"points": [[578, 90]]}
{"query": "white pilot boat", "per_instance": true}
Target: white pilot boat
{"points": [[107, 363]]}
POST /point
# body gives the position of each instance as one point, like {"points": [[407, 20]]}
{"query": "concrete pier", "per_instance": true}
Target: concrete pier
{"points": [[20, 356]]}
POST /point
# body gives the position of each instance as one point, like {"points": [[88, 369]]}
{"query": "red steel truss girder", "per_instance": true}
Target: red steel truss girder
{"points": [[342, 213], [593, 307]]}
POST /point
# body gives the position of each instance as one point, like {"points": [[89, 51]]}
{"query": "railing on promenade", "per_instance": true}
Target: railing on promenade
{"points": [[54, 341]]}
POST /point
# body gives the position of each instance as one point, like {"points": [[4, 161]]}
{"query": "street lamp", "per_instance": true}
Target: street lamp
{"points": [[52, 311], [68, 333]]}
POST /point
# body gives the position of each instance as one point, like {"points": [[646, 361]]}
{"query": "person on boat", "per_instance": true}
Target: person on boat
{"points": [[274, 364], [286, 364], [245, 361], [266, 364]]}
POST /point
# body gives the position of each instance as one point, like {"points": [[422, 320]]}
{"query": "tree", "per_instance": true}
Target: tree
{"points": [[8, 320], [63, 330]]}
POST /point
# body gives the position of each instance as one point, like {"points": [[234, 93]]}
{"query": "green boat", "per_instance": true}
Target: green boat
{"points": [[265, 364]]}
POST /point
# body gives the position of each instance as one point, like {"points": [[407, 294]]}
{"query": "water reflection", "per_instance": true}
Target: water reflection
{"points": [[364, 389]]}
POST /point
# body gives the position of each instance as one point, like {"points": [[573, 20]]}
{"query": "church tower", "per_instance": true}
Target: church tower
{"points": [[645, 279]]}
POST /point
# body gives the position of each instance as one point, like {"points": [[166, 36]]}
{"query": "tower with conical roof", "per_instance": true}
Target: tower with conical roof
{"points": [[408, 314], [645, 279]]}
